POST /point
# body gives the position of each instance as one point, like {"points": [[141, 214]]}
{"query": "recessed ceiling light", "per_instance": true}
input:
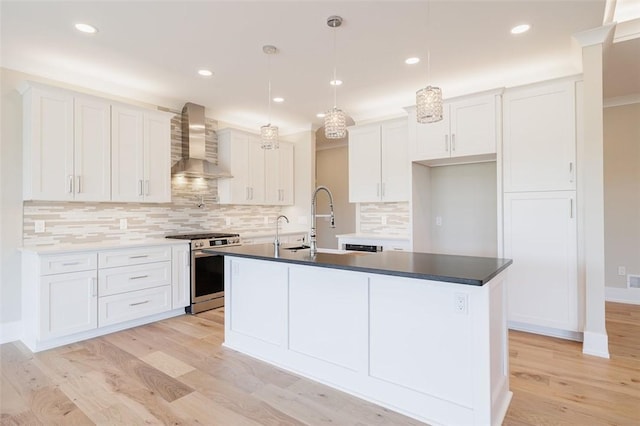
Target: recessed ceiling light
{"points": [[86, 28], [519, 29], [278, 100], [320, 115], [205, 73], [412, 61], [335, 82]]}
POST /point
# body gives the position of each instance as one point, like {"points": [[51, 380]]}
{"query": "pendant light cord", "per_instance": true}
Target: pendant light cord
{"points": [[428, 44], [335, 61], [269, 86]]}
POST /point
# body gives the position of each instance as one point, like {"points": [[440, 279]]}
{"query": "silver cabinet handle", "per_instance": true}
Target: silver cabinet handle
{"points": [[94, 287], [453, 142], [139, 277], [446, 143], [70, 263], [70, 180], [78, 190], [140, 188], [139, 303], [571, 208], [571, 173], [146, 187], [140, 256]]}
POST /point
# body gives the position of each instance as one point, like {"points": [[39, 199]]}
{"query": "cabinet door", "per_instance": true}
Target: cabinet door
{"points": [[92, 149], [127, 154], [48, 145], [432, 139], [68, 304], [233, 155], [395, 162], [287, 174], [256, 171], [279, 175], [539, 138], [473, 126], [157, 158], [540, 237], [364, 164], [180, 276]]}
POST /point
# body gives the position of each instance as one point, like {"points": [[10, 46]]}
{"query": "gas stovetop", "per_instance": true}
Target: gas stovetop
{"points": [[209, 239]]}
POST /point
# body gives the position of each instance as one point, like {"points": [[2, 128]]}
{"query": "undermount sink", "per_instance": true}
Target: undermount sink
{"points": [[320, 250], [302, 247]]}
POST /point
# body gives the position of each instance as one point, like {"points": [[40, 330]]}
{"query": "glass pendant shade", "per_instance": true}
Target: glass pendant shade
{"points": [[429, 105], [269, 137], [335, 124]]}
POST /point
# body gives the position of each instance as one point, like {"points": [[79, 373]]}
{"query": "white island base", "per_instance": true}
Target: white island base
{"points": [[435, 351]]}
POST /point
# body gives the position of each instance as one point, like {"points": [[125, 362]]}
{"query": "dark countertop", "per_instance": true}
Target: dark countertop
{"points": [[426, 266]]}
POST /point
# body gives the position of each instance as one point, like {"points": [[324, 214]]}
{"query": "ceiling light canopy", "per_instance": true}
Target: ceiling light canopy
{"points": [[86, 28], [335, 120], [412, 61], [205, 73], [269, 133], [519, 29]]}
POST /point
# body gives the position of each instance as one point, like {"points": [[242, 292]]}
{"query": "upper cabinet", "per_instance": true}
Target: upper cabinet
{"points": [[468, 132], [379, 162], [66, 146], [83, 148], [140, 155], [259, 176], [540, 138]]}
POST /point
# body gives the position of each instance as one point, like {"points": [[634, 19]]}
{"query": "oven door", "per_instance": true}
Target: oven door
{"points": [[207, 281]]}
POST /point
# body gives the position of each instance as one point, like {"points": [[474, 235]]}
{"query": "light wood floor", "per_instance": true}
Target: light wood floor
{"points": [[175, 372]]}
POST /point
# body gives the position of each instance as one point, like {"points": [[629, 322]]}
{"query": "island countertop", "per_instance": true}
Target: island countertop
{"points": [[467, 270]]}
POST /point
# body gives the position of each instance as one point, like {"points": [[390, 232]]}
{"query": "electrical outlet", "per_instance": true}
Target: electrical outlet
{"points": [[123, 224], [438, 220], [622, 271], [384, 219], [460, 303], [39, 225]]}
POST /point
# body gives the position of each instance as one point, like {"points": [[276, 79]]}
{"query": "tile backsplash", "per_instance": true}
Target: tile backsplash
{"points": [[396, 215], [75, 222]]}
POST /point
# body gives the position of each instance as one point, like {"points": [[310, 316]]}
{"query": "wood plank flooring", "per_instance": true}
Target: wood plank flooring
{"points": [[175, 372]]}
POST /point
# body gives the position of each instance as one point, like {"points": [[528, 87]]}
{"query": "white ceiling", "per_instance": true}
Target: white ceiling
{"points": [[150, 51]]}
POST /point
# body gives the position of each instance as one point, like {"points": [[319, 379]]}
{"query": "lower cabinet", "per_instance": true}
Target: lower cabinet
{"points": [[540, 235], [69, 297]]}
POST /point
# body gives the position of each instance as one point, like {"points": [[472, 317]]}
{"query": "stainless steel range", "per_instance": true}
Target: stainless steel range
{"points": [[207, 270]]}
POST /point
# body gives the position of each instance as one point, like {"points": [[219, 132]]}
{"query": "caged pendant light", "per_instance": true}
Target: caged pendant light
{"points": [[269, 133], [335, 120], [428, 99]]}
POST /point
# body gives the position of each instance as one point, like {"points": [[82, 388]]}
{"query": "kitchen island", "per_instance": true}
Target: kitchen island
{"points": [[421, 334]]}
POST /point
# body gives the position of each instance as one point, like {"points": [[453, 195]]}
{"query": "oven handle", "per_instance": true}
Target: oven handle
{"points": [[199, 253]]}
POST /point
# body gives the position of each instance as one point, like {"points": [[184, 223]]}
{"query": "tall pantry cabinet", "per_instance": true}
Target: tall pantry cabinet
{"points": [[540, 208]]}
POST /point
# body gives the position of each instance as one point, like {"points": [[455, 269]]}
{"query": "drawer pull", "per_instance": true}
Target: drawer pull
{"points": [[139, 277], [71, 263], [142, 256], [139, 303]]}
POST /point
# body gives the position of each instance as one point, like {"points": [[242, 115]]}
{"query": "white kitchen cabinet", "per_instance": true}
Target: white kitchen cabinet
{"points": [[378, 162], [66, 145], [540, 235], [140, 155], [467, 132], [259, 176], [279, 175], [75, 295], [539, 134]]}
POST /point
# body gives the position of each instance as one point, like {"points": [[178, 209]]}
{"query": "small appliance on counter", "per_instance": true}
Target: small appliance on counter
{"points": [[207, 270]]}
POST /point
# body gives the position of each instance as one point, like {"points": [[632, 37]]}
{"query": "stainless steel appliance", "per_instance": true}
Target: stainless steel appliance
{"points": [[363, 247], [207, 270]]}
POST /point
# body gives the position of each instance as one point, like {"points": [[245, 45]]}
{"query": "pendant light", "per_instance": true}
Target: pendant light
{"points": [[428, 99], [335, 120], [269, 133]]}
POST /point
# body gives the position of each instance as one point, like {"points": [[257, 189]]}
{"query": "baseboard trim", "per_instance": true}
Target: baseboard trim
{"points": [[546, 331], [10, 331], [596, 344], [622, 295]]}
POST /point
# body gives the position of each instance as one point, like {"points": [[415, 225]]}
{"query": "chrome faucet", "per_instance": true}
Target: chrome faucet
{"points": [[276, 242], [312, 235]]}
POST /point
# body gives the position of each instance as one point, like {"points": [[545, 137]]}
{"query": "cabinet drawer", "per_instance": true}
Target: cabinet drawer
{"points": [[135, 304], [130, 278], [72, 262], [133, 256]]}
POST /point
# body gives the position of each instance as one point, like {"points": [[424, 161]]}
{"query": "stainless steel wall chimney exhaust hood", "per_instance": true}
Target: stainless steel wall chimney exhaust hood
{"points": [[194, 162]]}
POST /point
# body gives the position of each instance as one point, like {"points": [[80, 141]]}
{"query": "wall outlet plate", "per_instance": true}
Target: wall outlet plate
{"points": [[123, 224], [39, 226]]}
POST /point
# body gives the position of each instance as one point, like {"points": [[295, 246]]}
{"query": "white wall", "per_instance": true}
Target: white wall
{"points": [[465, 197], [621, 192], [332, 168]]}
